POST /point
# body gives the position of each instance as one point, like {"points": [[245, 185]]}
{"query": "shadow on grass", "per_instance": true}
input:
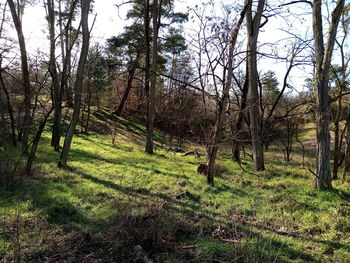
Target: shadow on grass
{"points": [[136, 192], [129, 125], [141, 163], [342, 194], [39, 196], [285, 249], [107, 146], [272, 249]]}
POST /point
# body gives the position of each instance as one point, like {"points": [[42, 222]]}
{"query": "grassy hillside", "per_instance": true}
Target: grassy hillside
{"points": [[118, 204]]}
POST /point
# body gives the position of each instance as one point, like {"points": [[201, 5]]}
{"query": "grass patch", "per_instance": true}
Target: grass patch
{"points": [[117, 197]]}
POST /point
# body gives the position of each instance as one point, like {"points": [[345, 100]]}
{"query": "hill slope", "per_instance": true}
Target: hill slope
{"points": [[118, 204]]}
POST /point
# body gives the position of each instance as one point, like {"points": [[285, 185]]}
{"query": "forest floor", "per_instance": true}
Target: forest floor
{"points": [[119, 204]]}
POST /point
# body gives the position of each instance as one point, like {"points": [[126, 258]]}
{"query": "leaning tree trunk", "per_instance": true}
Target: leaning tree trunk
{"points": [[222, 105], [85, 6], [16, 16], [35, 143], [131, 76], [323, 60], [253, 25]]}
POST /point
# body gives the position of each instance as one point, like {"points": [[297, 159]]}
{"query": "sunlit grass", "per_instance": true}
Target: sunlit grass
{"points": [[275, 215]]}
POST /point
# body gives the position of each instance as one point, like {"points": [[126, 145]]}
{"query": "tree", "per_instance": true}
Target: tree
{"points": [[323, 56], [222, 105], [151, 95], [253, 26], [340, 74], [50, 6], [67, 38], [129, 47], [85, 7], [95, 74], [16, 12], [347, 149], [237, 126], [161, 14], [269, 93]]}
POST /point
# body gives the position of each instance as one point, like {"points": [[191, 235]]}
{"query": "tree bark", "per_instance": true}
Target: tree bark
{"points": [[9, 109], [236, 131], [15, 12], [3, 127], [147, 60], [337, 137], [153, 78], [253, 25], [85, 6], [89, 95], [56, 130], [131, 76], [323, 59], [347, 151], [222, 105], [35, 143]]}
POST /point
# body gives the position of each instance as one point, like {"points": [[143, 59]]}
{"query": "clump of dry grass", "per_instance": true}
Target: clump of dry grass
{"points": [[221, 168]]}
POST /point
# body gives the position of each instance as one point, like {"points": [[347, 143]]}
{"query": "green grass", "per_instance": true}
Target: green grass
{"points": [[116, 197]]}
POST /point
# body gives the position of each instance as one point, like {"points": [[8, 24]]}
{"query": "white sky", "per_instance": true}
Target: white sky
{"points": [[110, 21], [107, 24]]}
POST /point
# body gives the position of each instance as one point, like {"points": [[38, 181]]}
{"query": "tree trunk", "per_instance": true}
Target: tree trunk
{"points": [[342, 86], [67, 43], [236, 131], [253, 25], [85, 6], [25, 75], [347, 149], [147, 63], [336, 138], [66, 48], [3, 127], [35, 143], [131, 75], [56, 130], [323, 60], [9, 109], [222, 105], [88, 107], [152, 91]]}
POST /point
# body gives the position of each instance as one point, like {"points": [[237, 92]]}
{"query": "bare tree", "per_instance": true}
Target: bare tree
{"points": [[253, 26], [85, 7], [222, 105], [341, 84], [61, 85], [237, 125], [323, 56], [16, 12], [50, 7], [347, 150]]}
